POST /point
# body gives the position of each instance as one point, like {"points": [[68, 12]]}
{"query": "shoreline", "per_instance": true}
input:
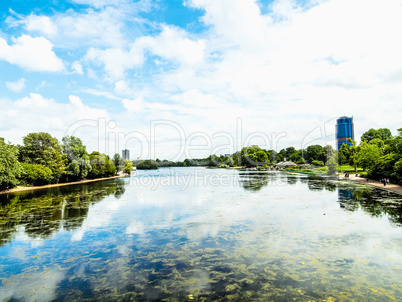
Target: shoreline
{"points": [[389, 187], [22, 189]]}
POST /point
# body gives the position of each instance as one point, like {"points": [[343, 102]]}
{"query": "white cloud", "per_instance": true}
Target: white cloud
{"points": [[115, 60], [33, 54], [17, 86], [48, 115], [134, 105], [77, 67], [91, 28], [173, 44], [42, 24], [122, 87]]}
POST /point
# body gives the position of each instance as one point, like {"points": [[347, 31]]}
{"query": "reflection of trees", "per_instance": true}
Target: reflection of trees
{"points": [[44, 212], [352, 197], [316, 183], [253, 181], [376, 202]]}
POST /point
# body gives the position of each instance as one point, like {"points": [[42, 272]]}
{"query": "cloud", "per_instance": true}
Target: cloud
{"points": [[115, 60], [133, 106], [34, 54], [77, 67], [171, 44], [17, 86], [42, 114], [42, 24], [174, 44]]}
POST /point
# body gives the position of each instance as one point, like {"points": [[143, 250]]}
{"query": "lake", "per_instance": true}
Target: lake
{"points": [[182, 234]]}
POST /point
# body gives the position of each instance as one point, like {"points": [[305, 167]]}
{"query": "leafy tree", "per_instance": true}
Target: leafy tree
{"points": [[382, 133], [41, 148], [10, 167], [314, 152], [118, 162], [101, 165], [353, 154], [253, 156], [344, 154], [147, 165], [78, 165], [36, 174], [327, 152], [128, 166], [297, 157], [332, 164], [367, 156]]}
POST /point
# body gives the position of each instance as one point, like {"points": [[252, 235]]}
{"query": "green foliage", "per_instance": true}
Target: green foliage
{"points": [[128, 166], [35, 174], [317, 163], [10, 168], [79, 164], [101, 165], [314, 153], [344, 154], [43, 149], [332, 164], [147, 165], [383, 134], [253, 156], [367, 156], [118, 162]]}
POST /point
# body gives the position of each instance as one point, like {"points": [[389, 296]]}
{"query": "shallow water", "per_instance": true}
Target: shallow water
{"points": [[202, 234]]}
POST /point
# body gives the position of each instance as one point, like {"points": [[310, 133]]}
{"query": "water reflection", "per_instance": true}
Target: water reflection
{"points": [[253, 181], [148, 241], [41, 213]]}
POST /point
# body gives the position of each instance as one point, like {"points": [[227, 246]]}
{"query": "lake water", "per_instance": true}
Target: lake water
{"points": [[200, 234]]}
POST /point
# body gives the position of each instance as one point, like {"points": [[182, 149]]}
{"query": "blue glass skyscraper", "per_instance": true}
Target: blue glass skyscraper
{"points": [[344, 130]]}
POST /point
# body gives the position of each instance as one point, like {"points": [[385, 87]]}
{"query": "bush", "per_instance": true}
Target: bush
{"points": [[318, 163]]}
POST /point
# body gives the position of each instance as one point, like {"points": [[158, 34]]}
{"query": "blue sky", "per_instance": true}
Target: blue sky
{"points": [[176, 79]]}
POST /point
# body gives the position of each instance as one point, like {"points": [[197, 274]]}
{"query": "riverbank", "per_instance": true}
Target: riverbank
{"points": [[21, 189], [389, 187]]}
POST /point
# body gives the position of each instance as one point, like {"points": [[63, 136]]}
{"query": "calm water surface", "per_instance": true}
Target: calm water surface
{"points": [[205, 235]]}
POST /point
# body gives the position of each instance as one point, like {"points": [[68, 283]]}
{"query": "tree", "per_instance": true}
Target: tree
{"points": [[101, 165], [119, 162], [41, 148], [382, 133], [147, 165], [128, 166], [344, 154], [367, 156], [313, 152], [332, 164], [36, 174], [10, 167], [353, 154], [77, 157]]}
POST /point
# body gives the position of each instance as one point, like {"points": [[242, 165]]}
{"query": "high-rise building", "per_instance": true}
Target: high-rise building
{"points": [[344, 130], [125, 154]]}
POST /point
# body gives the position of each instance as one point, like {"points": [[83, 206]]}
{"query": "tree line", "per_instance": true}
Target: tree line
{"points": [[42, 159], [379, 154]]}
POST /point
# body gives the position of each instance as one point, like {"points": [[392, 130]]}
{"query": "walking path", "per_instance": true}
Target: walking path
{"points": [[375, 183], [19, 189]]}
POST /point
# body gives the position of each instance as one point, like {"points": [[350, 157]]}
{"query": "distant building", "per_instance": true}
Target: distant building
{"points": [[344, 130], [126, 154]]}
